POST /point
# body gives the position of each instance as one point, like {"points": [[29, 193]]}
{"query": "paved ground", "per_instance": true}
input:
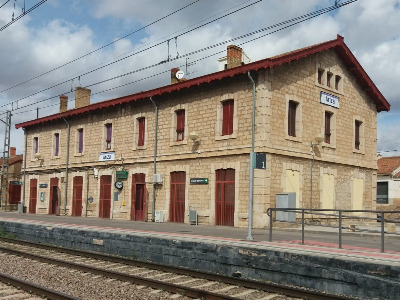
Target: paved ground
{"points": [[314, 235]]}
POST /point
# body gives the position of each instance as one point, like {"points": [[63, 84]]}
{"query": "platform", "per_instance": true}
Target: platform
{"points": [[359, 269]]}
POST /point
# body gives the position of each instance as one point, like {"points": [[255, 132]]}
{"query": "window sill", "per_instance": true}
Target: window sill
{"points": [[329, 146], [358, 151], [178, 143], [79, 154], [297, 139], [327, 88], [139, 148], [226, 137]]}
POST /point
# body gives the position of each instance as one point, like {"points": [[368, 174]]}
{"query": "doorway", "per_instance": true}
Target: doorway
{"points": [[225, 197], [105, 196], [177, 197], [138, 200]]}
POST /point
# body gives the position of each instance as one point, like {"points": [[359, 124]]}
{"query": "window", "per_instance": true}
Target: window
{"points": [[327, 133], [108, 135], [357, 131], [36, 145], [80, 140], [329, 77], [338, 80], [141, 131], [320, 75], [292, 118], [56, 144], [180, 125], [382, 190], [227, 117]]}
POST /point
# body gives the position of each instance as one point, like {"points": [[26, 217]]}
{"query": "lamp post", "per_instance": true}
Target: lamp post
{"points": [[318, 140]]}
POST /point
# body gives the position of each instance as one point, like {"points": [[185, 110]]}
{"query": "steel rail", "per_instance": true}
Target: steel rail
{"points": [[246, 283], [169, 287], [38, 290]]}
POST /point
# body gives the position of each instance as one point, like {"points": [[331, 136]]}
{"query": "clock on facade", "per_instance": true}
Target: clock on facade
{"points": [[119, 184]]}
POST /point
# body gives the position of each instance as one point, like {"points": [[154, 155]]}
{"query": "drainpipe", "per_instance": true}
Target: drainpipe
{"points": [[66, 168], [251, 184], [24, 180], [155, 160]]}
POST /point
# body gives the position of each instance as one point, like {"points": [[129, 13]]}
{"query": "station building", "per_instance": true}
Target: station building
{"points": [[158, 154]]}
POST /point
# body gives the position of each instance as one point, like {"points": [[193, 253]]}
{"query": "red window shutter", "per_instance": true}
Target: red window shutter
{"points": [[292, 118], [109, 135], [180, 125], [328, 116], [357, 126], [141, 123], [227, 117]]}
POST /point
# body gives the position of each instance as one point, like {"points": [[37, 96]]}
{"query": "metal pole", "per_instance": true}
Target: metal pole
{"points": [[154, 160], [302, 226], [66, 168], [24, 178], [311, 169], [251, 183], [270, 226], [382, 232], [340, 229]]}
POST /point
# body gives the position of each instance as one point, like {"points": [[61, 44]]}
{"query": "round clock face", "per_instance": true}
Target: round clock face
{"points": [[119, 184]]}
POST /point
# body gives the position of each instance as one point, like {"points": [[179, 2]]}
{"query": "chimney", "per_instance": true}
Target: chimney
{"points": [[13, 151], [63, 103], [173, 76], [82, 97], [234, 56]]}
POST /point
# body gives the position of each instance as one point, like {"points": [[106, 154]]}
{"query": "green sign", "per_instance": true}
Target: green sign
{"points": [[198, 180], [43, 185], [122, 174], [15, 182], [260, 161]]}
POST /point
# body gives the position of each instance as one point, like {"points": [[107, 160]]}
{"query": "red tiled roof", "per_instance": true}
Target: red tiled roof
{"points": [[13, 160], [338, 45], [388, 165]]}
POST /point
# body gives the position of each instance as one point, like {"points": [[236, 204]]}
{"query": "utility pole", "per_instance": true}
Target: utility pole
{"points": [[6, 161]]}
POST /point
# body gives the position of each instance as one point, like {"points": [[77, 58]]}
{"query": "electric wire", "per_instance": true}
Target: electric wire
{"points": [[4, 3], [76, 75], [135, 53], [23, 14], [288, 24], [100, 48]]}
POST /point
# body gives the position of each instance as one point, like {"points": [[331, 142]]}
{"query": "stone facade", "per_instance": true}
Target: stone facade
{"points": [[343, 176]]}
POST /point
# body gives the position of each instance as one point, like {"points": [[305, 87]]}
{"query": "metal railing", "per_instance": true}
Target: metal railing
{"points": [[340, 215]]}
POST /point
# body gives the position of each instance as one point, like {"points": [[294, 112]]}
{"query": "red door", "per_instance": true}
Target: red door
{"points": [[138, 200], [53, 206], [77, 196], [105, 196], [177, 197], [225, 197], [33, 196], [14, 193]]}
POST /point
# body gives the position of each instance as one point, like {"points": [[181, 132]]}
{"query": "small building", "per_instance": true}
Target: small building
{"points": [[14, 179], [388, 183], [158, 154]]}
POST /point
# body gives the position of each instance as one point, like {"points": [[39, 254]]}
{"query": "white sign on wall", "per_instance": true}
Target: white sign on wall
{"points": [[107, 156], [329, 100]]}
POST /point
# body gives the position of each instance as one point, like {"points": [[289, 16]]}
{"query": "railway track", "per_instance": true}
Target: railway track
{"points": [[14, 288], [177, 281]]}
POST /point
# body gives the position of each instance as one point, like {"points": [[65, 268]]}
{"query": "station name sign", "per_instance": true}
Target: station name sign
{"points": [[330, 100], [198, 180], [107, 156]]}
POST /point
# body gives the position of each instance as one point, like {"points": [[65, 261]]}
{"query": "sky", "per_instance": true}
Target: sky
{"points": [[121, 47]]}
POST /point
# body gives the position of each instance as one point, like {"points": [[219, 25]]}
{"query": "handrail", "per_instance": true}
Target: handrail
{"points": [[339, 213]]}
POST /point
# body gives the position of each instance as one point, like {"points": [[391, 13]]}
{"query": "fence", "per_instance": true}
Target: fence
{"points": [[340, 215]]}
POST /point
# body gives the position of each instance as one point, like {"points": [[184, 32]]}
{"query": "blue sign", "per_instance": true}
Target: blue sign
{"points": [[330, 100]]}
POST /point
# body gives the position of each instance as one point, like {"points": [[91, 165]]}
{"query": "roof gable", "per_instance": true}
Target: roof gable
{"points": [[389, 166], [338, 45]]}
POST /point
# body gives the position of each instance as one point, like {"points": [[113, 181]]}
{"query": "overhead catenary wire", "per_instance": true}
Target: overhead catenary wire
{"points": [[4, 3], [100, 48], [286, 23], [23, 14], [135, 53]]}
